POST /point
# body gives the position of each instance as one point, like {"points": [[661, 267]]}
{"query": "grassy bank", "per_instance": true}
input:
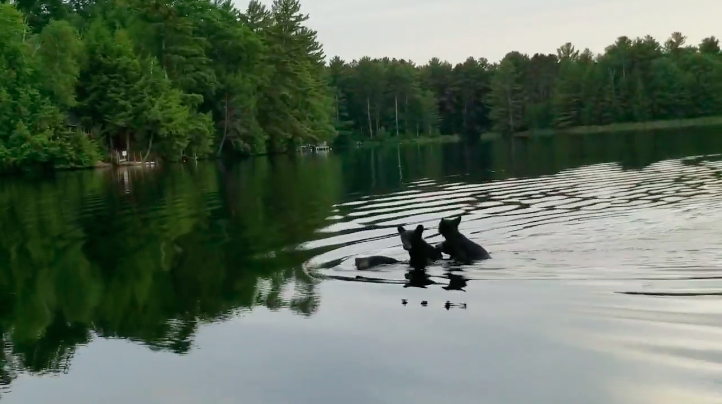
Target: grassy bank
{"points": [[621, 127]]}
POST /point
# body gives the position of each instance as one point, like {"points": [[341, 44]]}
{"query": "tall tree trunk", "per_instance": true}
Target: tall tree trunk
{"points": [[225, 127], [511, 113], [614, 97], [368, 112], [162, 57], [150, 144], [398, 159], [396, 108], [406, 115], [377, 120], [373, 167], [127, 144], [337, 113]]}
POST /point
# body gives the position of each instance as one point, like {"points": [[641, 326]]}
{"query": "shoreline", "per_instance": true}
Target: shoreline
{"points": [[486, 136], [622, 127], [405, 141]]}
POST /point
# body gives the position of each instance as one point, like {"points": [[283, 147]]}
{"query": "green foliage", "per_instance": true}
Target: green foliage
{"points": [[506, 97], [240, 68], [40, 12], [295, 104], [633, 81], [381, 98], [159, 79], [60, 50], [32, 127]]}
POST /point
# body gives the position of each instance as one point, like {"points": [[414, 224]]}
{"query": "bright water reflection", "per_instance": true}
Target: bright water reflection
{"points": [[235, 284]]}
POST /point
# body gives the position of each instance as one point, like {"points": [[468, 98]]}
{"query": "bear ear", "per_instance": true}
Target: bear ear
{"points": [[457, 221], [419, 229], [401, 229]]}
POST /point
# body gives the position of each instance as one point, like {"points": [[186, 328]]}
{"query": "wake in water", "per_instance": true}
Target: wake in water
{"points": [[422, 254], [590, 223]]}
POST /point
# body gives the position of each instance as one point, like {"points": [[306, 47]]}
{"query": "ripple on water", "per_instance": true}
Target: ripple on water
{"points": [[593, 222], [600, 272]]}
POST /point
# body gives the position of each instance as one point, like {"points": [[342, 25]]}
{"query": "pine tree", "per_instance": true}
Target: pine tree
{"points": [[296, 104], [60, 50], [505, 99], [171, 34], [241, 69], [28, 120], [111, 95]]}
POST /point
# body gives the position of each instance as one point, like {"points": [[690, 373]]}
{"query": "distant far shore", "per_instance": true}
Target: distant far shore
{"points": [[622, 127]]}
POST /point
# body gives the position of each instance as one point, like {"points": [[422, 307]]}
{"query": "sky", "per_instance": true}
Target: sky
{"points": [[456, 29]]}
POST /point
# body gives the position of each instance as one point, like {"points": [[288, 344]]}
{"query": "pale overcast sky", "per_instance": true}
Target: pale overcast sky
{"points": [[455, 29]]}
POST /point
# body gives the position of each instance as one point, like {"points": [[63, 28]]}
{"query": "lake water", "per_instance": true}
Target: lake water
{"points": [[234, 284]]}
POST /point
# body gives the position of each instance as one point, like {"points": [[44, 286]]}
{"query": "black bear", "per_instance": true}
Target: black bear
{"points": [[421, 253], [457, 246]]}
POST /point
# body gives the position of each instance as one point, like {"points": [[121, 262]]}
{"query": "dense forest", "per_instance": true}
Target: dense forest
{"points": [[189, 77], [633, 81], [163, 79]]}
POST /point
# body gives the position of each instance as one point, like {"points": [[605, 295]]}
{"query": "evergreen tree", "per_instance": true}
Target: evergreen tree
{"points": [[506, 97], [60, 50], [295, 103], [112, 95], [241, 68], [32, 128]]}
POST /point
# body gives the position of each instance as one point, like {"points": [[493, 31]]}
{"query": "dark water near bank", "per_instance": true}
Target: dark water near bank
{"points": [[210, 284]]}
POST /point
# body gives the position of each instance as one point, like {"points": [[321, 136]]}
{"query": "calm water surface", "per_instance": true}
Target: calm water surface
{"points": [[235, 284]]}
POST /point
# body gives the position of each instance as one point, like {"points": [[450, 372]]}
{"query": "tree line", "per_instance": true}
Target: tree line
{"points": [[165, 79], [634, 80], [81, 78]]}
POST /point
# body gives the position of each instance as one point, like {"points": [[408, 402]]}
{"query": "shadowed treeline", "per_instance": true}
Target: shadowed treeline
{"points": [[634, 80], [385, 169], [150, 255], [547, 155]]}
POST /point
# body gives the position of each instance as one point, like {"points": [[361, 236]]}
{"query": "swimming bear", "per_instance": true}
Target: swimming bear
{"points": [[421, 253], [457, 246]]}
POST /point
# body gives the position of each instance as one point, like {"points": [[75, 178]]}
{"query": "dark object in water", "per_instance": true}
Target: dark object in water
{"points": [[417, 278], [457, 246], [421, 253], [376, 260], [456, 282], [373, 261], [424, 303], [448, 305], [404, 301]]}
